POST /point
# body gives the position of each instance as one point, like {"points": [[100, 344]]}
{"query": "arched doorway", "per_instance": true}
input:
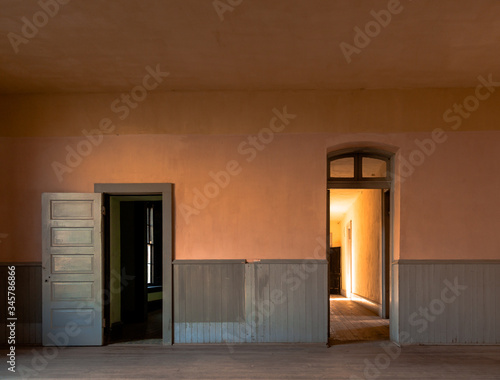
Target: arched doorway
{"points": [[360, 195]]}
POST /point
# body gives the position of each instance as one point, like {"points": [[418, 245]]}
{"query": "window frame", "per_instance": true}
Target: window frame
{"points": [[358, 181]]}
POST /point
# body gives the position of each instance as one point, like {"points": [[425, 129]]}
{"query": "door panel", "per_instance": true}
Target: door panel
{"points": [[71, 269]]}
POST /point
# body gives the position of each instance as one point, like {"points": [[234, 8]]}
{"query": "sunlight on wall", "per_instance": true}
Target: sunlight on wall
{"points": [[365, 215], [353, 253]]}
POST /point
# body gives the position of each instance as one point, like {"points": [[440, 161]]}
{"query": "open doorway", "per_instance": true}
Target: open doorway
{"points": [[359, 253], [133, 268], [357, 245], [77, 280]]}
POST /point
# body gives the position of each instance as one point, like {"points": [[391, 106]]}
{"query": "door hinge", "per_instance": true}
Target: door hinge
{"points": [[104, 322], [103, 210]]}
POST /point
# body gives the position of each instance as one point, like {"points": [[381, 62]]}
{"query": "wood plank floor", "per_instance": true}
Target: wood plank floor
{"points": [[351, 322], [149, 332], [369, 355], [366, 360]]}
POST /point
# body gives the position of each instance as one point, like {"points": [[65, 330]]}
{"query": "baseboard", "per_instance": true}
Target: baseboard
{"points": [[370, 305]]}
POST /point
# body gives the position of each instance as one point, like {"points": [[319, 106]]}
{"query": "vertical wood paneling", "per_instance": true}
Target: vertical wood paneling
{"points": [[395, 303], [269, 301], [413, 303], [301, 314], [474, 304], [28, 303], [274, 286], [323, 299], [471, 318], [494, 293], [263, 303], [249, 299], [3, 304], [404, 300], [178, 304], [480, 321], [320, 303], [310, 289], [208, 297], [181, 304], [217, 274], [225, 287], [291, 303], [466, 325], [436, 332], [186, 280], [205, 303], [421, 279], [38, 306], [451, 317], [301, 305], [489, 302], [461, 302]]}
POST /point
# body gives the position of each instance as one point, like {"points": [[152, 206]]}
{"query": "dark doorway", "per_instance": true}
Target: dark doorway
{"points": [[334, 270], [135, 256]]}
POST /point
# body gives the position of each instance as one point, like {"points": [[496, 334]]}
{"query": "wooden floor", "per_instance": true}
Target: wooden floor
{"points": [[368, 355], [366, 360], [351, 322], [141, 333]]}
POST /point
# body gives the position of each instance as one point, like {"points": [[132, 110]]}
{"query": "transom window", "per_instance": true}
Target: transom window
{"points": [[366, 167]]}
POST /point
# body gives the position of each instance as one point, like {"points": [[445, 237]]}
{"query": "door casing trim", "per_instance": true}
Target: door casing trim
{"points": [[166, 190]]}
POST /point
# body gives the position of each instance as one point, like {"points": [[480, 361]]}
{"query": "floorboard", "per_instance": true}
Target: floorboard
{"points": [[361, 360], [351, 322], [367, 355]]}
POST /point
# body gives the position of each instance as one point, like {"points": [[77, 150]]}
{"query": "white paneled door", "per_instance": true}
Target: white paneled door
{"points": [[72, 269]]}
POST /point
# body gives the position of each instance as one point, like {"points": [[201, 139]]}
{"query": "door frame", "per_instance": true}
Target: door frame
{"points": [[166, 191], [387, 183]]}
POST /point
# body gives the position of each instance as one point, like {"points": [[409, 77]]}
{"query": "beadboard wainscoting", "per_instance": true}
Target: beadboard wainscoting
{"points": [[230, 301], [448, 302], [28, 303]]}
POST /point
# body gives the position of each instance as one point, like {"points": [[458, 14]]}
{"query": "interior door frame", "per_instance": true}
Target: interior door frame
{"points": [[166, 191], [388, 287]]}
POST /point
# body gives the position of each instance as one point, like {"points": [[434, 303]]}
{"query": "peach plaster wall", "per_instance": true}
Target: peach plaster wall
{"points": [[276, 207]]}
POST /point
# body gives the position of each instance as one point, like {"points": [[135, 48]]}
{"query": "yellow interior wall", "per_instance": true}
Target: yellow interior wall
{"points": [[336, 236], [274, 208], [155, 296], [365, 214], [344, 263]]}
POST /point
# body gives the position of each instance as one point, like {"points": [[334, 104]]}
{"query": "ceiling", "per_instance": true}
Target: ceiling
{"points": [[105, 46]]}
